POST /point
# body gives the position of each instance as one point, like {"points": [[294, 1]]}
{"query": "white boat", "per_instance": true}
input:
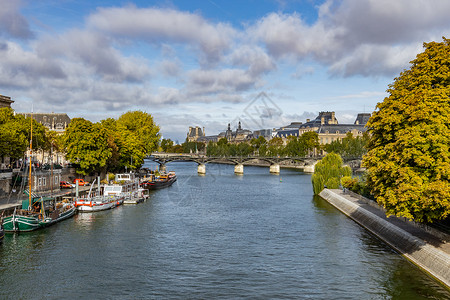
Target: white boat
{"points": [[137, 196], [129, 189], [93, 204]]}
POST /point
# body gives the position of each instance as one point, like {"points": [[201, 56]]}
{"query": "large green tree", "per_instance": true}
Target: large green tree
{"points": [[15, 131], [409, 158], [139, 136], [86, 145]]}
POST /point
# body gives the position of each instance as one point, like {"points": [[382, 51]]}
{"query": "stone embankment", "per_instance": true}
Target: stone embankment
{"points": [[424, 247]]}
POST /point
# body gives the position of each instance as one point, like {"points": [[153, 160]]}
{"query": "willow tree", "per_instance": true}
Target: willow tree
{"points": [[408, 158], [328, 172]]}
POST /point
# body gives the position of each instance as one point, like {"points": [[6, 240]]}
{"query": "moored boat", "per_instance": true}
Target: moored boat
{"points": [[42, 213], [154, 182], [137, 196], [96, 203], [2, 232], [37, 211], [128, 190]]}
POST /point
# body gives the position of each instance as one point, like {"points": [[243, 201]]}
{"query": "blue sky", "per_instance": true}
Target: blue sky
{"points": [[209, 63]]}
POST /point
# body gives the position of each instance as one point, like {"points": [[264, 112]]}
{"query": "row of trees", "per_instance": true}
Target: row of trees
{"points": [[303, 145], [295, 146], [92, 147], [110, 145], [15, 134]]}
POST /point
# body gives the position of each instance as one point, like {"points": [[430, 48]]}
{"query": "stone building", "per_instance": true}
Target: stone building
{"points": [[327, 127], [53, 121], [195, 133], [5, 101], [57, 122]]}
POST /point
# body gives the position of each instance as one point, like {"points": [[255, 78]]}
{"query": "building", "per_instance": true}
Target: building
{"points": [[5, 101], [195, 133], [52, 121], [57, 122], [327, 127], [237, 136]]}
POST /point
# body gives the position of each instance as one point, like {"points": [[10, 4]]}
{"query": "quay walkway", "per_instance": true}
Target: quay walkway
{"points": [[426, 247]]}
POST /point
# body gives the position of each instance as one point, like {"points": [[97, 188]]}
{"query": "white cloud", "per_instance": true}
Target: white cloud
{"points": [[355, 37], [12, 23], [158, 26], [258, 61]]}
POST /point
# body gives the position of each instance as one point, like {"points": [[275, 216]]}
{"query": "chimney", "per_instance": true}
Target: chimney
{"points": [[322, 120], [204, 131], [307, 120], [333, 119]]}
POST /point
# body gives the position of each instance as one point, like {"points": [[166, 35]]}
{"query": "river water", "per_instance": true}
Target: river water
{"points": [[219, 236]]}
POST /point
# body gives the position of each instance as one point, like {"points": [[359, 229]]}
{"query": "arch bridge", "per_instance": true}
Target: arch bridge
{"points": [[306, 163]]}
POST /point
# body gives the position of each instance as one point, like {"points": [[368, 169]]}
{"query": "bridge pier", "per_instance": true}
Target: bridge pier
{"points": [[201, 169], [162, 168], [309, 168], [239, 169], [275, 169]]}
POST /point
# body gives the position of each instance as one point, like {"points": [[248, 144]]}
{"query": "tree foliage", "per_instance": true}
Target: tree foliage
{"points": [[167, 145], [138, 137], [408, 155], [85, 144], [15, 131], [349, 146], [328, 172], [302, 145]]}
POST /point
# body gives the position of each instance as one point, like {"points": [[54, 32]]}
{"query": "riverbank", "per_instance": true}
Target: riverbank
{"points": [[425, 248]]}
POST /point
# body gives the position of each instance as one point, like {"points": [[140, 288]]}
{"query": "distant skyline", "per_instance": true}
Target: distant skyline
{"points": [[206, 63]]}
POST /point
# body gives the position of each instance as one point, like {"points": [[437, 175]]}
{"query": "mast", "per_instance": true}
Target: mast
{"points": [[29, 174]]}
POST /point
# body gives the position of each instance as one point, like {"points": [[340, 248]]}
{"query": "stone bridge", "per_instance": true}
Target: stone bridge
{"points": [[305, 163]]}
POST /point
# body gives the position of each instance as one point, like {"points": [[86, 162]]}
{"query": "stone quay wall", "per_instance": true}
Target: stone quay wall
{"points": [[433, 259]]}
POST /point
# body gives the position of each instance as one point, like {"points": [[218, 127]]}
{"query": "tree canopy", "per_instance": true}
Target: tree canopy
{"points": [[15, 133], [113, 144], [349, 146], [408, 155], [85, 144]]}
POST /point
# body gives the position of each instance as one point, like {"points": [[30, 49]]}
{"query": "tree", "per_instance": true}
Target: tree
{"points": [[15, 133], [167, 145], [113, 141], [349, 146], [408, 157], [328, 172], [139, 136], [310, 139], [86, 145], [259, 145], [275, 146]]}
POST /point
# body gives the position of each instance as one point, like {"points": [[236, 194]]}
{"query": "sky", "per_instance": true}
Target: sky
{"points": [[208, 63]]}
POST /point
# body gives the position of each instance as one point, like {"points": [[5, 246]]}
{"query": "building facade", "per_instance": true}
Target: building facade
{"points": [[5, 101], [327, 127]]}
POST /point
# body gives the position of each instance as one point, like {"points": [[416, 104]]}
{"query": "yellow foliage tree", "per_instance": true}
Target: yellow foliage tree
{"points": [[408, 160]]}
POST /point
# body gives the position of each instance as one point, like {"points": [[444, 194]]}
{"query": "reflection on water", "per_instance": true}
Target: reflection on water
{"points": [[213, 236]]}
